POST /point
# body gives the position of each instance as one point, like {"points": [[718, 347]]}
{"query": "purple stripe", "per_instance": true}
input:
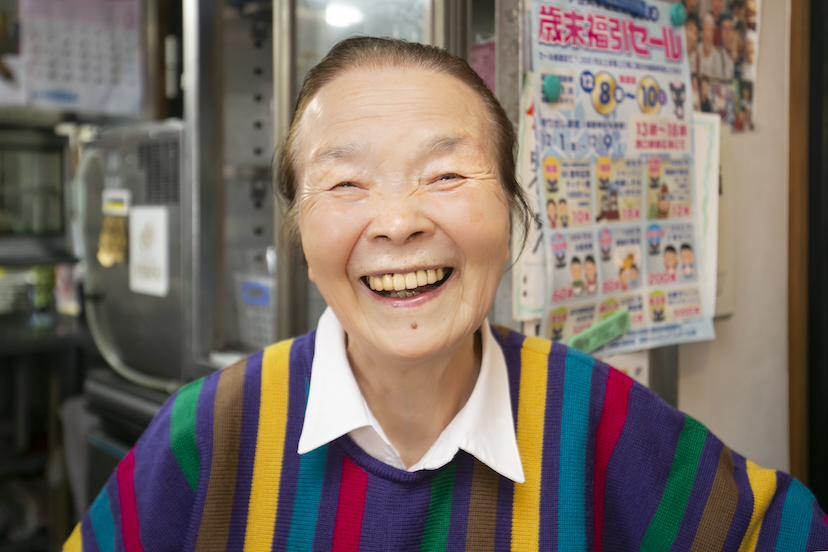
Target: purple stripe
{"points": [[503, 527], [89, 542], [705, 473], [329, 499], [600, 374], [379, 500], [744, 508], [407, 503], [410, 507], [645, 448], [204, 440], [290, 458], [115, 507], [163, 495], [252, 390], [818, 539], [460, 501], [773, 517], [511, 346], [548, 529]]}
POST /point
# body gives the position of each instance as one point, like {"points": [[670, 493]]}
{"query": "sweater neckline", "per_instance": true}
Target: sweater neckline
{"points": [[380, 469]]}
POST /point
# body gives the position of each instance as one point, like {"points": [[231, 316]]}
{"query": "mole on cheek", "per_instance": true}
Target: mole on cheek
{"points": [[413, 325]]}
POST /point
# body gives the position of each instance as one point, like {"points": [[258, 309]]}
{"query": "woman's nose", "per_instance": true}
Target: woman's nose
{"points": [[399, 219]]}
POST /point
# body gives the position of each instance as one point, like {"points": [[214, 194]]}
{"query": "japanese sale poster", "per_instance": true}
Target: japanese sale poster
{"points": [[614, 143]]}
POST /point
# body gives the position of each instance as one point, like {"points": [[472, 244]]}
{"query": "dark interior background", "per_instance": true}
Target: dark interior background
{"points": [[818, 256]]}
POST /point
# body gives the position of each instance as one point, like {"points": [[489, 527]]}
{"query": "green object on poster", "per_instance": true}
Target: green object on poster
{"points": [[678, 14], [602, 332], [551, 88]]}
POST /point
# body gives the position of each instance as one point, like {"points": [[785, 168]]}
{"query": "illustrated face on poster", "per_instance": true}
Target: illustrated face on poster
{"points": [[673, 305], [566, 322], [619, 189], [575, 273], [620, 253], [671, 254], [633, 303], [669, 192], [568, 193]]}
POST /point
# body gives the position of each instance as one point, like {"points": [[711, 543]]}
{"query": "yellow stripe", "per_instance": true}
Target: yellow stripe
{"points": [[267, 467], [534, 359], [763, 486], [75, 542]]}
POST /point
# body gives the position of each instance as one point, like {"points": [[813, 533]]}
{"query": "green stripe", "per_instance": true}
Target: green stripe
{"points": [[439, 511], [182, 430], [667, 520]]}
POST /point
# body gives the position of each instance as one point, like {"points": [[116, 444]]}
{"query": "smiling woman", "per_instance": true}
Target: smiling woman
{"points": [[404, 421]]}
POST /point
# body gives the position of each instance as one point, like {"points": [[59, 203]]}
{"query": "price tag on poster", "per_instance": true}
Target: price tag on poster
{"points": [[615, 150]]}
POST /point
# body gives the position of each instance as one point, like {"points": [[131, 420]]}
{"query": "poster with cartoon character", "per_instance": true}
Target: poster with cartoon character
{"points": [[568, 321], [575, 270], [613, 134], [620, 253], [674, 305], [619, 189], [669, 188], [568, 194], [671, 253]]}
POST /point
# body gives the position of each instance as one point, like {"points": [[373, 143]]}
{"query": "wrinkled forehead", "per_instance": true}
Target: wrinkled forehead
{"points": [[364, 108]]}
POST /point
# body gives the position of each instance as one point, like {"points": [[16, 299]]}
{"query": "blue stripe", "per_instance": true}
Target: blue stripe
{"points": [[796, 518], [101, 517], [306, 506], [574, 429]]}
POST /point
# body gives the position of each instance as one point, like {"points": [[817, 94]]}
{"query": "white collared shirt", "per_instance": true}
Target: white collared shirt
{"points": [[484, 427]]}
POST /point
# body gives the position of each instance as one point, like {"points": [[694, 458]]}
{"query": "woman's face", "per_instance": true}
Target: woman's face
{"points": [[397, 175]]}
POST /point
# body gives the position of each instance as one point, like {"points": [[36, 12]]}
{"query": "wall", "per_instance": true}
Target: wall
{"points": [[738, 384]]}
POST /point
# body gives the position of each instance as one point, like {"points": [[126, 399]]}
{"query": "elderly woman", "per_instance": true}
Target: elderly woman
{"points": [[405, 422]]}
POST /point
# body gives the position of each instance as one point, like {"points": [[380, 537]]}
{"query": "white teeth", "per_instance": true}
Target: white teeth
{"points": [[398, 283]]}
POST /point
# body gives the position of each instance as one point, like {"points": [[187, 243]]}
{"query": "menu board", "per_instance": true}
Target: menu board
{"points": [[616, 174]]}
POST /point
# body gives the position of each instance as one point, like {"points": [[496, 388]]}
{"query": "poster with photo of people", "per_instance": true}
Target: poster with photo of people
{"points": [[722, 49]]}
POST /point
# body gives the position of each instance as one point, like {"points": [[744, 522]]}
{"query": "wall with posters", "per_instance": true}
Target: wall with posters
{"points": [[738, 384]]}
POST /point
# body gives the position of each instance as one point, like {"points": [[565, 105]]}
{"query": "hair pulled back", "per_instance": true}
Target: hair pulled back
{"points": [[379, 53]]}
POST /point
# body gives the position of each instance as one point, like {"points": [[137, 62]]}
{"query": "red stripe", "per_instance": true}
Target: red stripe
{"points": [[129, 507], [348, 524], [613, 416]]}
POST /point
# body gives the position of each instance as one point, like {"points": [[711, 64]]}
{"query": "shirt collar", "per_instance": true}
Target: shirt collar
{"points": [[484, 427]]}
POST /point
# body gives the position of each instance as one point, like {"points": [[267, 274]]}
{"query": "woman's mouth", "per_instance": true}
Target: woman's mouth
{"points": [[402, 286]]}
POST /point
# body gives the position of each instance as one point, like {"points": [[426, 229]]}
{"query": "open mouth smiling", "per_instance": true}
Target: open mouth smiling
{"points": [[402, 286]]}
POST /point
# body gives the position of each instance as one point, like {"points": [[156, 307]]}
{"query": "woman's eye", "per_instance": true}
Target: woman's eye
{"points": [[344, 185], [449, 176]]}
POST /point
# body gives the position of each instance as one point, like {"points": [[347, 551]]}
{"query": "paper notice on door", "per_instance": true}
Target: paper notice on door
{"points": [[149, 248]]}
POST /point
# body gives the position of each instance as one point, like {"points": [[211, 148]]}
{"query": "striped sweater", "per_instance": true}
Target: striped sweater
{"points": [[608, 465]]}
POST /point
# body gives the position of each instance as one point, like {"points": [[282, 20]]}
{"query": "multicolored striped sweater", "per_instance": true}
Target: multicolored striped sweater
{"points": [[608, 465]]}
